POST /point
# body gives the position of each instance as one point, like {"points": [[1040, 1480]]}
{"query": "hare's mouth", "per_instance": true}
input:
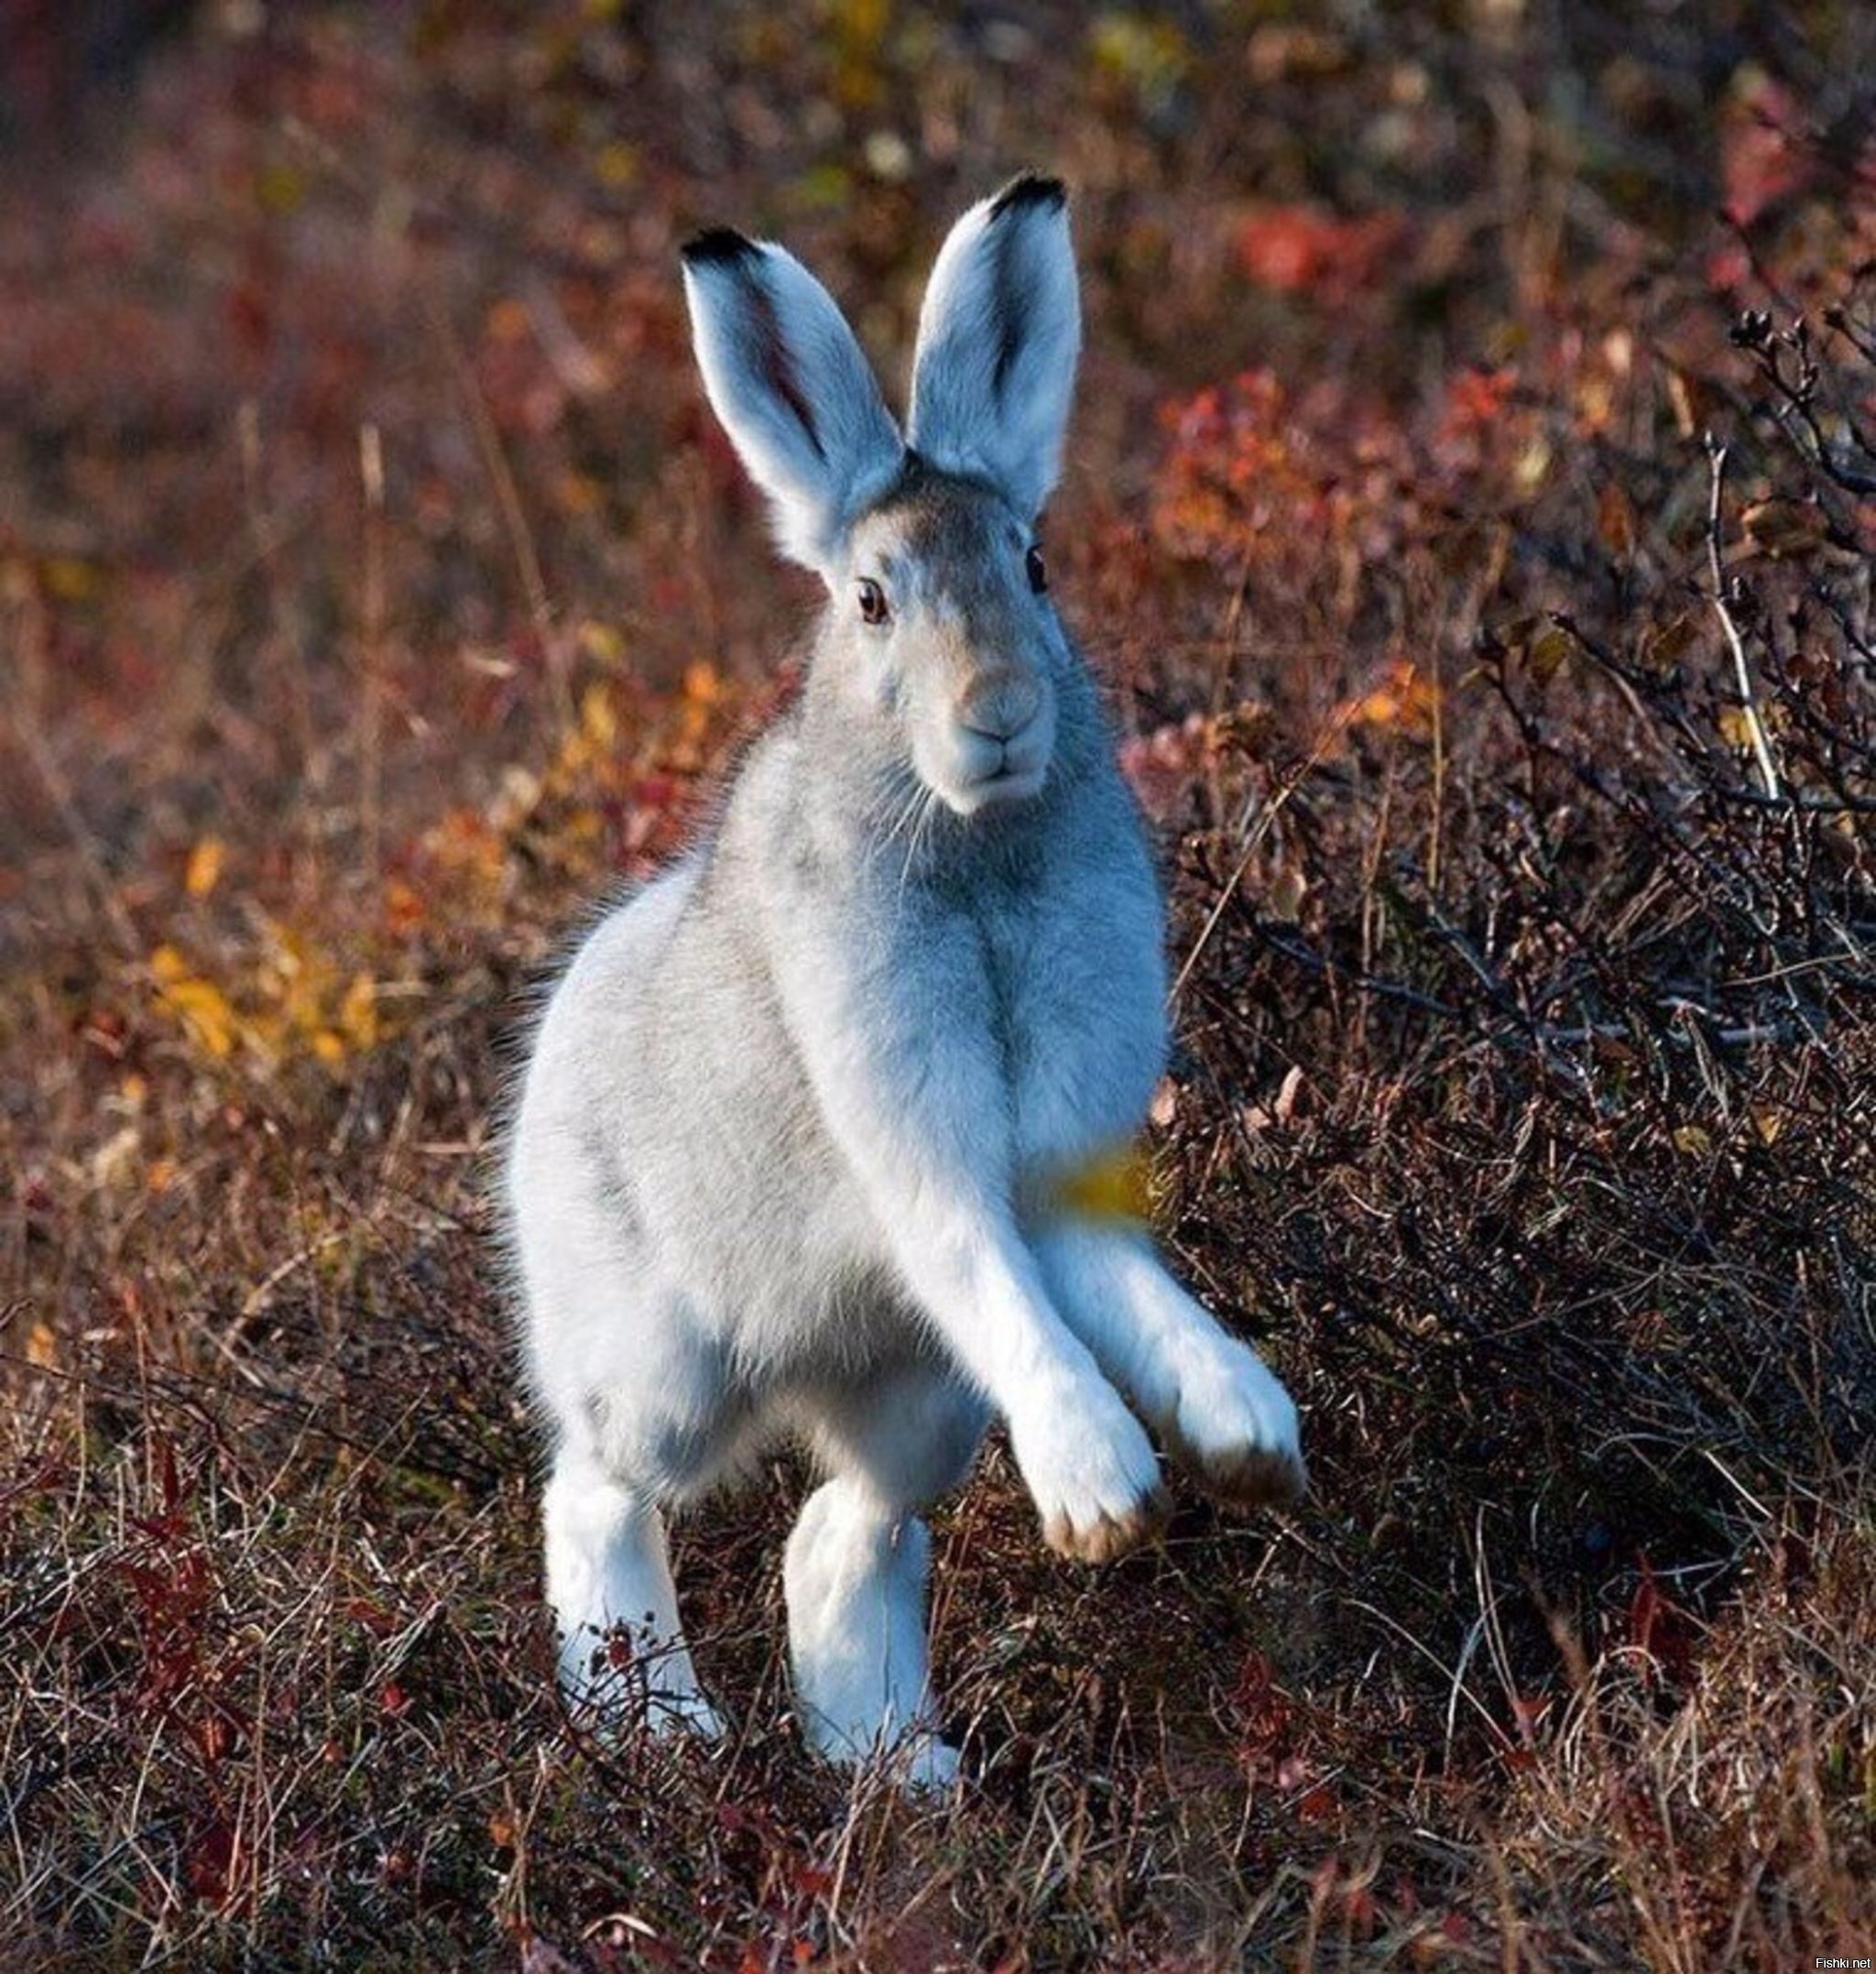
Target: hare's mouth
{"points": [[992, 791], [988, 770]]}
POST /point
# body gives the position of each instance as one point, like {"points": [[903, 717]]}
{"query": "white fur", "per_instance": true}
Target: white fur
{"points": [[1004, 288], [751, 313], [776, 1167]]}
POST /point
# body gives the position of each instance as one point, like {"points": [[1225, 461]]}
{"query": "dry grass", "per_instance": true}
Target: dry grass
{"points": [[372, 593]]}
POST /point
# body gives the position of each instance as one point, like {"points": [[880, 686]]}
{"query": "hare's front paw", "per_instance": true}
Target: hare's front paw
{"points": [[1233, 1428], [1092, 1472]]}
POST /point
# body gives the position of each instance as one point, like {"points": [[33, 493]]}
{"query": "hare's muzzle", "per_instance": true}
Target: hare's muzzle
{"points": [[1003, 735], [1001, 704]]}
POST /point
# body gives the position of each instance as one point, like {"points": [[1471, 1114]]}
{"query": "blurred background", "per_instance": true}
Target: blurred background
{"points": [[236, 235]]}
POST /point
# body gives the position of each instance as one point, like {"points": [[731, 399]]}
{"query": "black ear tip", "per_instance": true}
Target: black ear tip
{"points": [[718, 246], [1031, 189]]}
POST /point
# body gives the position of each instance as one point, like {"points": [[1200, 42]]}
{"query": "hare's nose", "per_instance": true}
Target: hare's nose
{"points": [[999, 708]]}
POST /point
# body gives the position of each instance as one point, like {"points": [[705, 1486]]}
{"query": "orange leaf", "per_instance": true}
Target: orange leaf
{"points": [[1615, 519], [204, 870]]}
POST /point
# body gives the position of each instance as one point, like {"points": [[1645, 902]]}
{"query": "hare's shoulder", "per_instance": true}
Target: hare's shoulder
{"points": [[620, 951], [605, 992]]}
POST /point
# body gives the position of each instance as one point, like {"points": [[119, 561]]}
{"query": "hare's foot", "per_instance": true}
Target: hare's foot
{"points": [[626, 1678], [856, 1567], [854, 1579], [623, 1660], [1232, 1426], [923, 1765], [1091, 1471]]}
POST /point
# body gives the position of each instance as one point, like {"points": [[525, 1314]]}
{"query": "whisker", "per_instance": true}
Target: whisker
{"points": [[921, 829]]}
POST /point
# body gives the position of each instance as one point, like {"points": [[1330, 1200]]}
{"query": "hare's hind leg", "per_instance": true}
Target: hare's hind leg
{"points": [[609, 1579], [646, 1415], [856, 1567]]}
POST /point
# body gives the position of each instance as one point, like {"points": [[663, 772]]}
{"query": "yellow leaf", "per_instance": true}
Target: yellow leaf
{"points": [[403, 907], [358, 1013], [1114, 1184], [1695, 1139], [601, 642], [198, 1005], [598, 723], [577, 493], [68, 579], [1615, 518], [1549, 648], [267, 1032], [1662, 648], [830, 185], [1777, 527], [114, 1159], [42, 1343], [204, 1010], [616, 164], [1680, 397], [280, 189], [1595, 403], [507, 321], [1532, 465], [1407, 697], [204, 870], [521, 791], [1284, 900]]}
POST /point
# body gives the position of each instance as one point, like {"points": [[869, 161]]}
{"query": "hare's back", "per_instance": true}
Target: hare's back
{"points": [[591, 1033]]}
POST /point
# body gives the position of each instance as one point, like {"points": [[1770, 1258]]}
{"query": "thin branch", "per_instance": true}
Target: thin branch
{"points": [[1331, 732], [1762, 750]]}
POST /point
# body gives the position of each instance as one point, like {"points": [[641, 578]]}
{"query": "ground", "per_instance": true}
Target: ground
{"points": [[1470, 515]]}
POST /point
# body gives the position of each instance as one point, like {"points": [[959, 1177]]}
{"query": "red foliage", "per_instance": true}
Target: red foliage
{"points": [[1760, 161], [1660, 1630], [1299, 250]]}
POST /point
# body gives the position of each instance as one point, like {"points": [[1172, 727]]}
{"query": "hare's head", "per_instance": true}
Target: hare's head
{"points": [[941, 638]]}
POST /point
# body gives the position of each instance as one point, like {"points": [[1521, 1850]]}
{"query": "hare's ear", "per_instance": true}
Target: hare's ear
{"points": [[792, 387], [997, 339]]}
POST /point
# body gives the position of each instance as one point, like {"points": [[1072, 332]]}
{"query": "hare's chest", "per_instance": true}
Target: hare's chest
{"points": [[1076, 1005]]}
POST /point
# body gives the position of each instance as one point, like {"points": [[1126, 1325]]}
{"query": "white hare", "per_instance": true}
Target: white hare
{"points": [[782, 1161]]}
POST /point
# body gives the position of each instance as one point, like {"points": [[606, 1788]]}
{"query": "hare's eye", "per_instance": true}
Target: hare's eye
{"points": [[873, 608], [1038, 574]]}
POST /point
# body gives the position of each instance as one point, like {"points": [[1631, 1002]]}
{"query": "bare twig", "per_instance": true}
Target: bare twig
{"points": [[495, 461], [1273, 809], [1762, 749], [20, 709], [266, 535], [371, 473]]}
